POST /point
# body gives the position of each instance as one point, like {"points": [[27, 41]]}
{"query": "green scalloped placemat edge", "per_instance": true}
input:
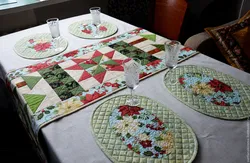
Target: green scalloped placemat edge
{"points": [[182, 121], [200, 111]]}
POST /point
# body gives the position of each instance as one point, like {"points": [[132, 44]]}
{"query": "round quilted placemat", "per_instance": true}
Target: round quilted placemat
{"points": [[39, 46], [184, 147], [85, 29], [209, 92]]}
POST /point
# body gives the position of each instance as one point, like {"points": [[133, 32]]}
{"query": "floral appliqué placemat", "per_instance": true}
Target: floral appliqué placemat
{"points": [[210, 92], [39, 46], [148, 132], [85, 29]]}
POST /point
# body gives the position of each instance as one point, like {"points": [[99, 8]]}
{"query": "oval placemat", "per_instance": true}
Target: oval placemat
{"points": [[39, 46], [209, 92], [85, 29], [141, 143]]}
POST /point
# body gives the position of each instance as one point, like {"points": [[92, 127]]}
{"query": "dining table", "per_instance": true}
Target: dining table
{"points": [[70, 139]]}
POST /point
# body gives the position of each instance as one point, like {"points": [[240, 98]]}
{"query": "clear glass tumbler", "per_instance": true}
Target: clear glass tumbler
{"points": [[172, 51], [96, 19], [53, 24]]}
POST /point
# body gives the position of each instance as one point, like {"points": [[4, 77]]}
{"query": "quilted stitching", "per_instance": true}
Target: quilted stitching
{"points": [[235, 112], [185, 143]]}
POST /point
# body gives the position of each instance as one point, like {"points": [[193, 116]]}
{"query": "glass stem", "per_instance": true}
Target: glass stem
{"points": [[131, 94]]}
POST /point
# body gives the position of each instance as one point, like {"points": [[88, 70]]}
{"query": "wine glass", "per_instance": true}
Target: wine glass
{"points": [[172, 51], [132, 72], [53, 24], [96, 20]]}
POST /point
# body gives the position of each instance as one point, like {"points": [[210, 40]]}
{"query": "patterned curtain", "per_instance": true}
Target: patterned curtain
{"points": [[137, 12]]}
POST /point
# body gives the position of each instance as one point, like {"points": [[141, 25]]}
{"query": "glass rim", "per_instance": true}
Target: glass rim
{"points": [[175, 41], [52, 19], [95, 8]]}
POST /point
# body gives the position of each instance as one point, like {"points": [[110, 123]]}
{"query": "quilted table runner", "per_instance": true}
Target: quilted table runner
{"points": [[148, 132], [66, 83], [209, 92]]}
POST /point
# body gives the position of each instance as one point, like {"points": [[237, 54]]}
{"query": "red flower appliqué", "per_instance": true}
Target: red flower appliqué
{"points": [[129, 146], [146, 143], [87, 31], [129, 110], [42, 46], [103, 28], [186, 49], [219, 86], [91, 97], [181, 80], [154, 63], [158, 128], [71, 54], [39, 66], [31, 41], [143, 75], [108, 84]]}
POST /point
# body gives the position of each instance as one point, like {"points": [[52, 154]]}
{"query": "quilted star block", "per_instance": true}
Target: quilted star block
{"points": [[91, 69]]}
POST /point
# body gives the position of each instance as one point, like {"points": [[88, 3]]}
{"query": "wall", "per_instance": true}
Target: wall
{"points": [[29, 18]]}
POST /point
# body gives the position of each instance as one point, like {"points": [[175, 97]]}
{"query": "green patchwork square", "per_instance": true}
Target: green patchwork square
{"points": [[65, 95], [60, 89], [61, 82], [77, 90], [43, 71], [51, 79], [131, 48], [58, 71], [62, 75], [119, 48], [66, 80], [48, 74], [71, 85]]}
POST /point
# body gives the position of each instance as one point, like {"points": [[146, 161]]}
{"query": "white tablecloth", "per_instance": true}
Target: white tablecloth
{"points": [[9, 60], [69, 140]]}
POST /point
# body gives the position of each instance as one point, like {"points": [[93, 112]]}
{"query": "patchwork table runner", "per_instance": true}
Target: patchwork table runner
{"points": [[66, 83], [148, 132], [209, 92], [85, 29], [39, 46]]}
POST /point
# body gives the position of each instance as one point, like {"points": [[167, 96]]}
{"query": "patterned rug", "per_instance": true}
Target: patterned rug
{"points": [[149, 132], [85, 29], [39, 46], [209, 92]]}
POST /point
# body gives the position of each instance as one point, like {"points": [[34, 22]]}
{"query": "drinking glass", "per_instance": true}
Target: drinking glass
{"points": [[132, 72], [96, 20], [53, 24], [172, 51]]}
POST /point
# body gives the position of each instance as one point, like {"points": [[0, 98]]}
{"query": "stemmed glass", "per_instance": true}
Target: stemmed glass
{"points": [[132, 72], [172, 51], [53, 24], [96, 20]]}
